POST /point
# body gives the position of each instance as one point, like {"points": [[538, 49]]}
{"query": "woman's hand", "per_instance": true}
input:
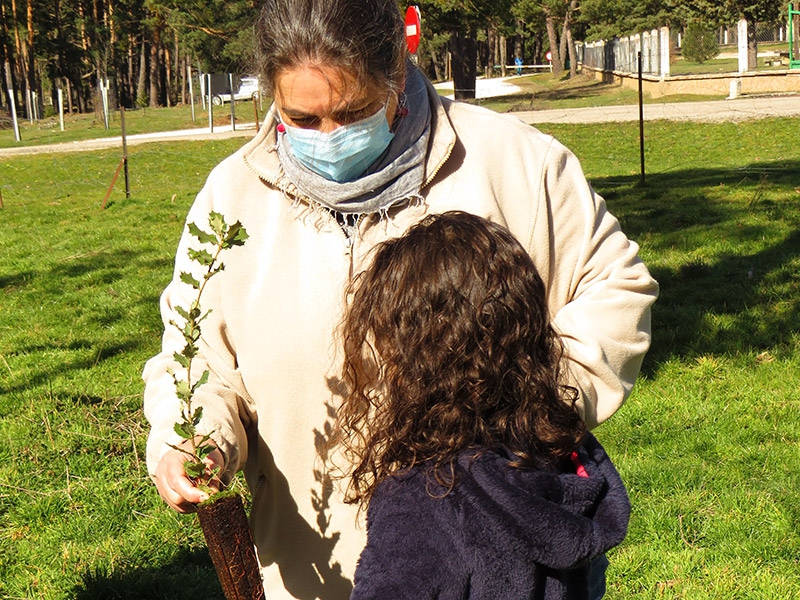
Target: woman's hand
{"points": [[174, 485]]}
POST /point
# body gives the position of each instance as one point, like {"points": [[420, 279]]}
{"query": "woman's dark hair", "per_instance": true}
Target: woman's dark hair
{"points": [[365, 38], [447, 347]]}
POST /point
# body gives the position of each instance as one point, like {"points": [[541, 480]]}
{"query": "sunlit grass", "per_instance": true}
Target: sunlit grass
{"points": [[707, 443]]}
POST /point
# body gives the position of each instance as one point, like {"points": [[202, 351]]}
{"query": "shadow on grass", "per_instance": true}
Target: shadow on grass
{"points": [[99, 353], [15, 280], [86, 297], [725, 300], [190, 576]]}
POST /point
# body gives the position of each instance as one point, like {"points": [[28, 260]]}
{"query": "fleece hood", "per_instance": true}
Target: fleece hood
{"points": [[500, 533], [558, 520]]}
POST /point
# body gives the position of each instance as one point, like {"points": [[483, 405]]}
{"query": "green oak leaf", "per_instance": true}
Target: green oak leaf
{"points": [[185, 430], [189, 279], [202, 236]]}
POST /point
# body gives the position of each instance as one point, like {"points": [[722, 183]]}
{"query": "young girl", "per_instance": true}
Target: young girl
{"points": [[480, 477]]}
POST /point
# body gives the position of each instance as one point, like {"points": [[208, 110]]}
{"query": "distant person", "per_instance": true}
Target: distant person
{"points": [[518, 62], [479, 474], [356, 149]]}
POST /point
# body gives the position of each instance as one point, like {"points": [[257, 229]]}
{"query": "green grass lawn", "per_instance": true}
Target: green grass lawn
{"points": [[79, 290], [717, 65], [707, 443]]}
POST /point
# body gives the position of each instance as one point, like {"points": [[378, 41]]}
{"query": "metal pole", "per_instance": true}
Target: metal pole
{"points": [[201, 78], [210, 110], [104, 93], [125, 151], [103, 101], [61, 107], [191, 89], [233, 103], [14, 117], [641, 117]]}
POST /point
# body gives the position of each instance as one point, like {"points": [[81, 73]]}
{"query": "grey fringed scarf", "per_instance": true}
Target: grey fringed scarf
{"points": [[395, 177]]}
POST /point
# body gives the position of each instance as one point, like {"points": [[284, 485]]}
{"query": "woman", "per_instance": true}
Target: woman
{"points": [[357, 148]]}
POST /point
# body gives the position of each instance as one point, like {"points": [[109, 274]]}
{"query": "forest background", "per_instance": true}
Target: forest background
{"points": [[144, 50]]}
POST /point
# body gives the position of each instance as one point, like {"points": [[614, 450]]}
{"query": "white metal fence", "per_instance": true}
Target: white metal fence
{"points": [[621, 54]]}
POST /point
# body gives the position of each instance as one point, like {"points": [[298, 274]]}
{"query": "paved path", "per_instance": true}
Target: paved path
{"points": [[740, 109]]}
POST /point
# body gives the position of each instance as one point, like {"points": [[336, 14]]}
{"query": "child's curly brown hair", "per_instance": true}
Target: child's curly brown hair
{"points": [[448, 346]]}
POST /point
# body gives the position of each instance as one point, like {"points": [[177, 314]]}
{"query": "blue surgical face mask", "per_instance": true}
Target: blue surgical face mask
{"points": [[344, 153]]}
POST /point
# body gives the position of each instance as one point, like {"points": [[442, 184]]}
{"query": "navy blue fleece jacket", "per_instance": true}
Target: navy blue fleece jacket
{"points": [[501, 533]]}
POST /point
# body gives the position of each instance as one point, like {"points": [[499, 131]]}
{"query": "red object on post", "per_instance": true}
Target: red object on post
{"points": [[413, 25]]}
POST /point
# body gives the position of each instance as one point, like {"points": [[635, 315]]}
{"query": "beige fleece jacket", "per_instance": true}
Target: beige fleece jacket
{"points": [[270, 341]]}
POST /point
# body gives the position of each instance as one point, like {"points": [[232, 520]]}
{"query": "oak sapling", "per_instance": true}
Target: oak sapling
{"points": [[222, 237], [222, 516]]}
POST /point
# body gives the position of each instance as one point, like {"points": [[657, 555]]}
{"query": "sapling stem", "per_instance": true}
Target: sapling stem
{"points": [[200, 446]]}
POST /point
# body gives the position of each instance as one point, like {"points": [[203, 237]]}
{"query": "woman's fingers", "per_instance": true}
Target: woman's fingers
{"points": [[175, 487]]}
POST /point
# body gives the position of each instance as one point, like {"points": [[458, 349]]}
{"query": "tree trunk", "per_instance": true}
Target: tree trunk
{"points": [[503, 55], [562, 42], [488, 70], [168, 80], [117, 82], [180, 74], [131, 70], [565, 48], [752, 46], [10, 84], [558, 65], [230, 544], [141, 84], [100, 68], [155, 79], [21, 63], [464, 65], [9, 81], [86, 44], [437, 69], [32, 84], [69, 96], [187, 70], [573, 59]]}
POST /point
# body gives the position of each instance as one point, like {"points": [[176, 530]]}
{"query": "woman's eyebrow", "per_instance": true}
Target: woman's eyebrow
{"points": [[354, 108], [294, 113]]}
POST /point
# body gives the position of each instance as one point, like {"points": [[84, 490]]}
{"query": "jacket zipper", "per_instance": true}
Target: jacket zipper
{"points": [[438, 168], [350, 234]]}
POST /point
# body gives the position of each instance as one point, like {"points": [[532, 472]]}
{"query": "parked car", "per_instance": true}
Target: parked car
{"points": [[248, 89]]}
